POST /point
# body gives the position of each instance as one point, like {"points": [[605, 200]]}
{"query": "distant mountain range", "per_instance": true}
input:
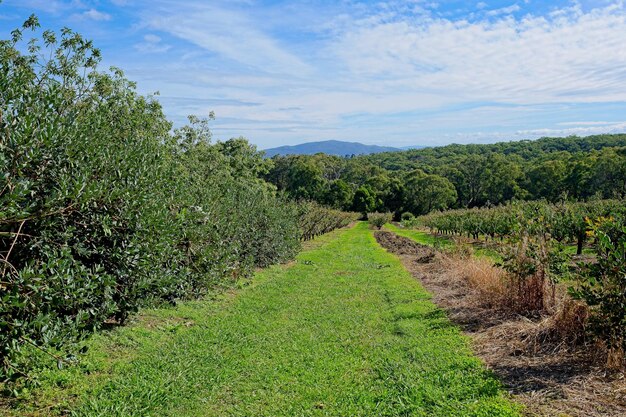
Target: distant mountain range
{"points": [[330, 147]]}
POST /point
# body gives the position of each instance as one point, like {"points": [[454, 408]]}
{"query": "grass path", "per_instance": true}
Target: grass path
{"points": [[426, 238], [345, 331], [419, 236]]}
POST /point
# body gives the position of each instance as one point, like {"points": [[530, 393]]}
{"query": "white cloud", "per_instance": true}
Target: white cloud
{"points": [[152, 44], [586, 123], [226, 32], [93, 14], [504, 10], [573, 58], [580, 130], [398, 72]]}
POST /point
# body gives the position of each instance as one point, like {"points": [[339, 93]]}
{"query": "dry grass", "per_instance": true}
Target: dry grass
{"points": [[488, 280]]}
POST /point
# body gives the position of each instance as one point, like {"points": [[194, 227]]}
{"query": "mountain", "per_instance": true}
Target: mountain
{"points": [[330, 147]]}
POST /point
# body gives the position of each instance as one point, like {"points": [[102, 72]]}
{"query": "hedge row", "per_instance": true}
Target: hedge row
{"points": [[104, 209], [315, 219]]}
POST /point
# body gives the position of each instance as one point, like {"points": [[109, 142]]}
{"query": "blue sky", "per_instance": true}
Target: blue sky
{"points": [[397, 73]]}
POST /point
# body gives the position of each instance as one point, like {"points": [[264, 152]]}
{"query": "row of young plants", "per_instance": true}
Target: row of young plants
{"points": [[378, 220], [105, 209], [316, 220], [565, 222], [534, 257]]}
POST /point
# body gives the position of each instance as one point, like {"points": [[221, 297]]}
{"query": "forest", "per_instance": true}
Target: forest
{"points": [[459, 176]]}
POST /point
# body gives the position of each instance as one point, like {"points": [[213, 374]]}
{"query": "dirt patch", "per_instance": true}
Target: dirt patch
{"points": [[549, 378], [404, 246]]}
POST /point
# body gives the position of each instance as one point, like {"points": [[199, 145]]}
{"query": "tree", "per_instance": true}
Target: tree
{"points": [[505, 172], [339, 195], [364, 201], [471, 177], [547, 179], [428, 192], [608, 173]]}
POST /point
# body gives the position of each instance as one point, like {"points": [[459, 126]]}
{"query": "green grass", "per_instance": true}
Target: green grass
{"points": [[344, 331], [426, 238], [419, 236]]}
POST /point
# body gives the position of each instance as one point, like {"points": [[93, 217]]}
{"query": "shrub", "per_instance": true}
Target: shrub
{"points": [[407, 216], [315, 219], [534, 265], [104, 210], [602, 285], [379, 219]]}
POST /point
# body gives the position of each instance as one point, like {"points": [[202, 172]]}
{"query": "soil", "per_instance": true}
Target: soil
{"points": [[549, 379], [403, 246]]}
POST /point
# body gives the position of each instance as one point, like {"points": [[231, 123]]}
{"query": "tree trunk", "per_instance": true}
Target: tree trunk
{"points": [[579, 246]]}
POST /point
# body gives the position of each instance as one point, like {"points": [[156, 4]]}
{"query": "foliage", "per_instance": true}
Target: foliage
{"points": [[315, 220], [378, 220], [534, 265], [563, 222], [427, 192], [460, 176], [365, 201], [602, 284], [103, 209], [407, 216]]}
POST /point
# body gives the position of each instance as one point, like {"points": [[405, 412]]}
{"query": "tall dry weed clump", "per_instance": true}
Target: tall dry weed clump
{"points": [[534, 265], [524, 287], [484, 277]]}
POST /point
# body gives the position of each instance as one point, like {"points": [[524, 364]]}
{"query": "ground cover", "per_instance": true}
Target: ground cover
{"points": [[537, 358], [425, 238], [345, 330]]}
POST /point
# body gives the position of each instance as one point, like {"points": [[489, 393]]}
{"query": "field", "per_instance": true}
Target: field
{"points": [[343, 331], [152, 269]]}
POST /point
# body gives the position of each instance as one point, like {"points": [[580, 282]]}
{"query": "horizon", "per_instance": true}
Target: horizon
{"points": [[415, 73], [418, 146]]}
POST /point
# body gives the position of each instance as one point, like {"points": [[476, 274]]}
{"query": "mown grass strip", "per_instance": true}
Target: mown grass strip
{"points": [[419, 236], [345, 331], [426, 238]]}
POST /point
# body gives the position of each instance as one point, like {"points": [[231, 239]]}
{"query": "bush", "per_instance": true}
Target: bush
{"points": [[534, 265], [104, 210], [407, 216], [602, 285], [316, 219], [379, 219]]}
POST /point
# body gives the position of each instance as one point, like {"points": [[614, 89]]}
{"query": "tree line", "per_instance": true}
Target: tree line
{"points": [[459, 176]]}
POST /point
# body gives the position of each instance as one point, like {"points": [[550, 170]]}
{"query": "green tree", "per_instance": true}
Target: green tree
{"points": [[428, 192], [547, 179], [339, 195], [364, 201]]}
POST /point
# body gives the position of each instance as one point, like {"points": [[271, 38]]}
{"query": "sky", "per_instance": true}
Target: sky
{"points": [[395, 73]]}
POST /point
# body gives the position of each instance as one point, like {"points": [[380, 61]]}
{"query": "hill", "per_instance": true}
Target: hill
{"points": [[329, 147]]}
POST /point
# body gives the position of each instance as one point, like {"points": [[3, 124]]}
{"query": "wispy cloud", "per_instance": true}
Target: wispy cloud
{"points": [[227, 32], [504, 10], [405, 71], [152, 44], [93, 14]]}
